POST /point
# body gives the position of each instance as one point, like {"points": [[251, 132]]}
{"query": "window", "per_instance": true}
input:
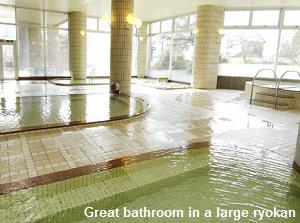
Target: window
{"points": [[183, 50], [166, 25], [91, 24], [160, 55], [134, 64], [289, 53], [104, 26], [265, 18], [237, 18], [181, 22], [57, 52], [7, 15], [292, 18], [171, 52], [31, 51], [155, 27], [7, 32], [29, 17], [244, 52], [56, 20], [193, 21], [98, 51]]}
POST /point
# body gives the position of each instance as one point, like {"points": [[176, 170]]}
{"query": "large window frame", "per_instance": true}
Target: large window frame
{"points": [[43, 26], [172, 33], [280, 26]]}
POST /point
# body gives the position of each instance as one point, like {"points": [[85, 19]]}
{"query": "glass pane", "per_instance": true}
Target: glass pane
{"points": [[292, 18], [265, 18], [104, 26], [160, 55], [236, 18], [29, 17], [91, 23], [8, 32], [244, 52], [57, 52], [31, 56], [181, 22], [7, 14], [193, 21], [64, 25], [98, 51], [135, 43], [155, 27], [183, 50], [166, 25], [8, 61], [289, 53], [56, 19]]}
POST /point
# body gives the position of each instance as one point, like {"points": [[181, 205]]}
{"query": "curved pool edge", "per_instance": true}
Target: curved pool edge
{"points": [[56, 82], [296, 167], [143, 100]]}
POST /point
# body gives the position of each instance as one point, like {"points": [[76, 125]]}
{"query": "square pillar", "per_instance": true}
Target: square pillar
{"points": [[77, 49], [121, 44], [210, 20]]}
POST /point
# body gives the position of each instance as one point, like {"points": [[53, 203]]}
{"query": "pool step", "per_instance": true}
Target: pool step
{"points": [[271, 104], [283, 101]]}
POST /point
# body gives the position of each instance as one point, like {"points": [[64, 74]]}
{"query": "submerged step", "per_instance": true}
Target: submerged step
{"points": [[76, 193], [274, 95]]}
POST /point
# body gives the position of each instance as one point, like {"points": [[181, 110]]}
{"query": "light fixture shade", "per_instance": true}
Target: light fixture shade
{"points": [[131, 19], [221, 32], [105, 19]]}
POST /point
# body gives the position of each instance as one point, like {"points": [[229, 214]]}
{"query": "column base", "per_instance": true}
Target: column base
{"points": [[296, 167]]}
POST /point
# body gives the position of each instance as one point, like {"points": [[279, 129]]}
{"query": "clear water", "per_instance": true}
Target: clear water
{"points": [[35, 112], [221, 176]]}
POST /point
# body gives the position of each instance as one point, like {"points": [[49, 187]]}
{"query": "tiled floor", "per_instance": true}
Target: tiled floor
{"points": [[176, 118]]}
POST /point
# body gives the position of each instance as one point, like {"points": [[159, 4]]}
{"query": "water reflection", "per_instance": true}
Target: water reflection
{"points": [[21, 113]]}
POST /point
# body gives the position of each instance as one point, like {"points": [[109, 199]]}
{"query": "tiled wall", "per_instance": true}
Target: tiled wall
{"points": [[77, 27], [233, 83], [142, 48], [297, 155], [210, 20], [121, 44]]}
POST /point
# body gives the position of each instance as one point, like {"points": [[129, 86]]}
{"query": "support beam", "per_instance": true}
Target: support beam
{"points": [[121, 44], [77, 49], [210, 20]]}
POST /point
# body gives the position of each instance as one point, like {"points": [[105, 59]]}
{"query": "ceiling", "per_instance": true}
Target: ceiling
{"points": [[147, 10]]}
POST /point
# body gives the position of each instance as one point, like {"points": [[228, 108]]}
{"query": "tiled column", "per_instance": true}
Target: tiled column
{"points": [[297, 154], [142, 48], [210, 20], [77, 32], [121, 44]]}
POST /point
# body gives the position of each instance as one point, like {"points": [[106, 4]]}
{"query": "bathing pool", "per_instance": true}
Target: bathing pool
{"points": [[212, 178], [38, 112]]}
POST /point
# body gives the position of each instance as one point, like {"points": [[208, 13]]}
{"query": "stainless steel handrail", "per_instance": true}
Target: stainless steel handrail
{"points": [[92, 74], [255, 78], [279, 81]]}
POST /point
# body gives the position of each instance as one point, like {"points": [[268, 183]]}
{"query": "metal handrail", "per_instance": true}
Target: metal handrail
{"points": [[92, 74], [279, 81], [255, 78]]}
